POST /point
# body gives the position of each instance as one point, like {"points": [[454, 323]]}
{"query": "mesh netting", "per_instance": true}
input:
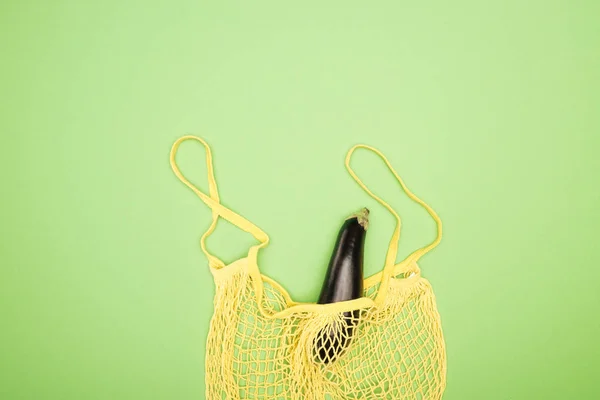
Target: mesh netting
{"points": [[392, 351]]}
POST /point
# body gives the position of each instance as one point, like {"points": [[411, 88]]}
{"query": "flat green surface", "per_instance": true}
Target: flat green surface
{"points": [[489, 110]]}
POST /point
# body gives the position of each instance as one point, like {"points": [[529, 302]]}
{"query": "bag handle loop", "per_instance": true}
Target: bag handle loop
{"points": [[212, 200], [392, 253]]}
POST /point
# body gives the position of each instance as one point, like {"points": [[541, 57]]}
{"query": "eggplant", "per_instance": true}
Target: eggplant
{"points": [[343, 281]]}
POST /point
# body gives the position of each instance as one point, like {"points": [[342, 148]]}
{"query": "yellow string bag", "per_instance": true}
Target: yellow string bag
{"points": [[262, 344]]}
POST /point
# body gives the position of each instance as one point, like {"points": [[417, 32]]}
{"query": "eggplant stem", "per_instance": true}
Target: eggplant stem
{"points": [[362, 216]]}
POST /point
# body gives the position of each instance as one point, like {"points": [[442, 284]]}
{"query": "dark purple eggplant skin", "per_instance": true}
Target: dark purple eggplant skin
{"points": [[344, 277], [343, 281]]}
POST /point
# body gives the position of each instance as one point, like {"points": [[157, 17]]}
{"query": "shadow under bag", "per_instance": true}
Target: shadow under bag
{"points": [[261, 343]]}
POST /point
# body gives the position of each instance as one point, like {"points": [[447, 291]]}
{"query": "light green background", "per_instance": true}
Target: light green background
{"points": [[489, 110]]}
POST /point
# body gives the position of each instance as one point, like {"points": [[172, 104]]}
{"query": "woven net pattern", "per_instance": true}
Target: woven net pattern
{"points": [[392, 351]]}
